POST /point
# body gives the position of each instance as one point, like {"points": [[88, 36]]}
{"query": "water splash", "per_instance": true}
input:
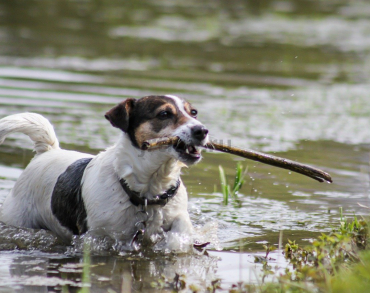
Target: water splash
{"points": [[23, 238]]}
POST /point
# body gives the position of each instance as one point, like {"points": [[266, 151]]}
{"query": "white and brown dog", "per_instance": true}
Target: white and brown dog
{"points": [[70, 192]]}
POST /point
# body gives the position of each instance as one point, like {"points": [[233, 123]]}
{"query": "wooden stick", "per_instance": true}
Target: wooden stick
{"points": [[303, 169], [159, 142]]}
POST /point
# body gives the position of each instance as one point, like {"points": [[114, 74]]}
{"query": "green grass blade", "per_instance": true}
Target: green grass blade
{"points": [[86, 281], [224, 187], [239, 179]]}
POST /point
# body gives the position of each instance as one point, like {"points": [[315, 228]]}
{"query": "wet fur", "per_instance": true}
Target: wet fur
{"points": [[107, 206]]}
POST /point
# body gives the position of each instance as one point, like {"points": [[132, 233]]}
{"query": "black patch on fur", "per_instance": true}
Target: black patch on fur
{"points": [[67, 204]]}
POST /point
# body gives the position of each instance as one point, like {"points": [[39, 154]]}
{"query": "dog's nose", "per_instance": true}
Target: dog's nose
{"points": [[199, 132]]}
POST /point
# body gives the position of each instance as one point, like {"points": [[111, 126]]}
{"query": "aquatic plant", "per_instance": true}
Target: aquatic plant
{"points": [[226, 189], [86, 280], [179, 284], [335, 262]]}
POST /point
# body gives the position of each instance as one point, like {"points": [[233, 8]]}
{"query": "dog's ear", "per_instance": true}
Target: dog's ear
{"points": [[120, 114]]}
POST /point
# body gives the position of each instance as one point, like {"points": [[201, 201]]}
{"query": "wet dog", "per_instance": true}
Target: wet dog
{"points": [[70, 192]]}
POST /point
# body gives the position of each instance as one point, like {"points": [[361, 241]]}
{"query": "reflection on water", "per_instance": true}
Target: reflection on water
{"points": [[35, 271], [289, 77]]}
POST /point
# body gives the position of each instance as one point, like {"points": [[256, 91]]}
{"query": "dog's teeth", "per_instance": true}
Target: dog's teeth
{"points": [[192, 149], [187, 151]]}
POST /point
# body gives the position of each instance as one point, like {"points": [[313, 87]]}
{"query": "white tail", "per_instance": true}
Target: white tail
{"points": [[37, 127]]}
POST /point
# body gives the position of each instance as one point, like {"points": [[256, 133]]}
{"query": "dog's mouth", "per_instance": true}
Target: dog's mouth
{"points": [[188, 153]]}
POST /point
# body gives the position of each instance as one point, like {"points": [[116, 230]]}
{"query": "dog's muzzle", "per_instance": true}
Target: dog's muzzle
{"points": [[187, 147], [199, 133]]}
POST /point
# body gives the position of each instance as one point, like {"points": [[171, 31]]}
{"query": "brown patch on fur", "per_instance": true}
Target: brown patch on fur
{"points": [[119, 115], [167, 107], [182, 119], [188, 107], [145, 132], [177, 119]]}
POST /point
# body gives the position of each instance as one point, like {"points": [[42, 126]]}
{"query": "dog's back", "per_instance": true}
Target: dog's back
{"points": [[28, 204]]}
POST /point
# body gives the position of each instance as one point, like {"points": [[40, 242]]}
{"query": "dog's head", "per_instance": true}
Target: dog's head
{"points": [[154, 117]]}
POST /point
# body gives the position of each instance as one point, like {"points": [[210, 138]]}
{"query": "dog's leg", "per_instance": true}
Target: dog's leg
{"points": [[180, 237], [182, 224]]}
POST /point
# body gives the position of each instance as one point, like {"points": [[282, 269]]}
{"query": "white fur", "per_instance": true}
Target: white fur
{"points": [[184, 131], [35, 126], [107, 205], [29, 203]]}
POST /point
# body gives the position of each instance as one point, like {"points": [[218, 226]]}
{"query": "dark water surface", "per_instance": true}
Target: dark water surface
{"points": [[285, 77]]}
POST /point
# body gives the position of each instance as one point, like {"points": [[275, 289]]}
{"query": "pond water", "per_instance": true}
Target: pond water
{"points": [[290, 78]]}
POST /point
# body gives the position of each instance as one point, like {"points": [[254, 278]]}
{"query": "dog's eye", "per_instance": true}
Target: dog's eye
{"points": [[194, 112], [164, 115]]}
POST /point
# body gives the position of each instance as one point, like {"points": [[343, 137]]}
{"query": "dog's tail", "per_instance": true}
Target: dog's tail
{"points": [[37, 127]]}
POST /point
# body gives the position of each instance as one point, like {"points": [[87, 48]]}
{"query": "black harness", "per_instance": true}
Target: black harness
{"points": [[160, 199]]}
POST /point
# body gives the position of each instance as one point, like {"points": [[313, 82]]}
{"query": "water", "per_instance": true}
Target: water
{"points": [[286, 77]]}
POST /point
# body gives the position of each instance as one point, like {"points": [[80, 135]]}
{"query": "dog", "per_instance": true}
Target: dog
{"points": [[70, 192]]}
